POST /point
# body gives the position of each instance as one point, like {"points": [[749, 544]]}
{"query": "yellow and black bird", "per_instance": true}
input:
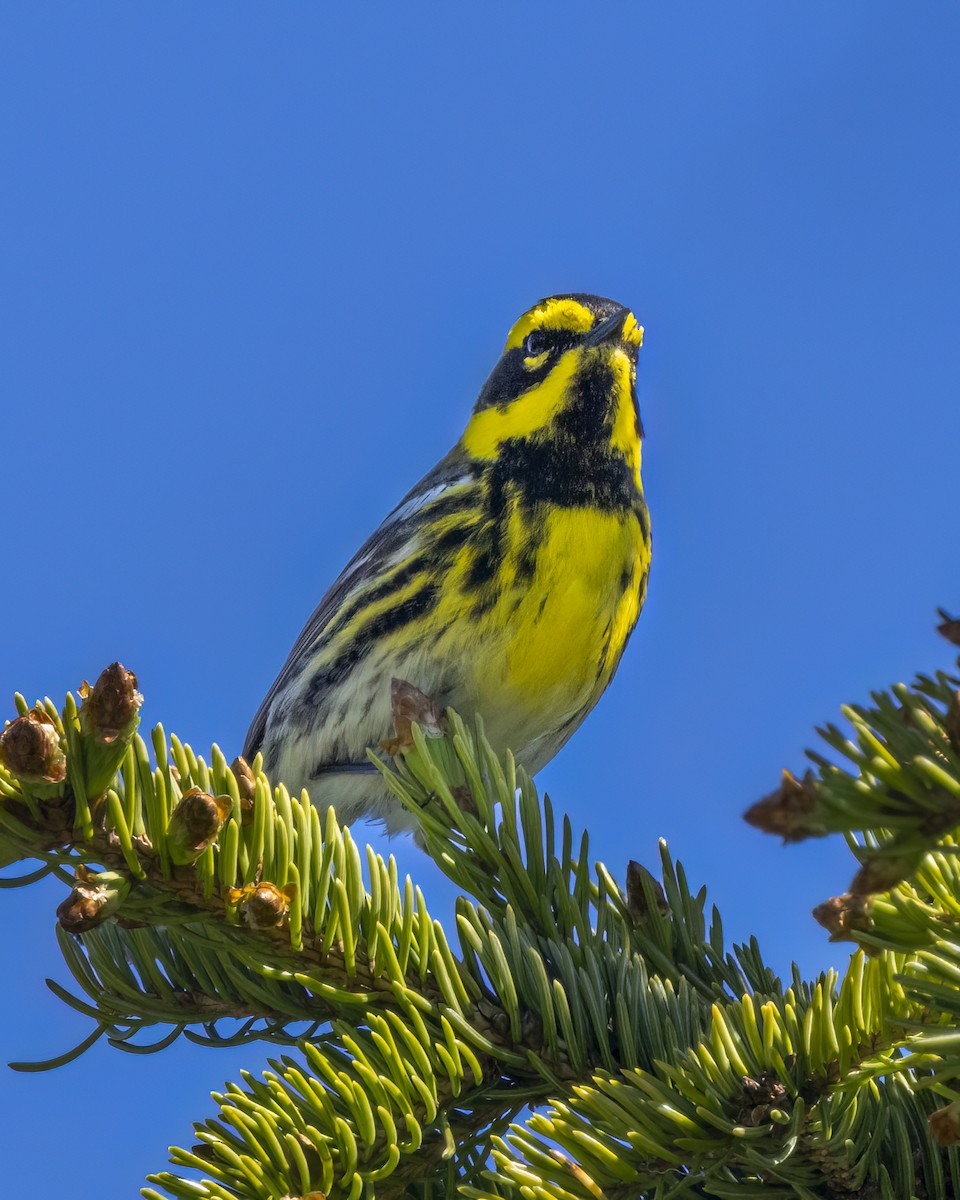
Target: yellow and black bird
{"points": [[506, 583]]}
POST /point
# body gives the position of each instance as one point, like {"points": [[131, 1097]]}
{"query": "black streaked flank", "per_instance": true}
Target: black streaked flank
{"points": [[408, 610], [486, 563], [399, 579], [601, 658], [445, 544], [417, 605], [328, 676], [343, 768], [643, 516], [526, 564], [444, 506]]}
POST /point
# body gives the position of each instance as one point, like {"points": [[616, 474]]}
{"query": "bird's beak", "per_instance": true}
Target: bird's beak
{"points": [[621, 327]]}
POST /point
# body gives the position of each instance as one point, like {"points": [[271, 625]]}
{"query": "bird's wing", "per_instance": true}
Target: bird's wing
{"points": [[452, 472]]}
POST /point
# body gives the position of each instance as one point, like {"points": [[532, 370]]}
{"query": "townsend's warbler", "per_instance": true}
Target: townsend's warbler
{"points": [[507, 582]]}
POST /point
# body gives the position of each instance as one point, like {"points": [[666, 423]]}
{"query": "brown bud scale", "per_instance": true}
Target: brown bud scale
{"points": [[110, 707], [945, 1125], [789, 811], [262, 905], [843, 916], [30, 748]]}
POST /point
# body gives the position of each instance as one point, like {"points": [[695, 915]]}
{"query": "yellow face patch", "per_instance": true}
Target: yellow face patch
{"points": [[531, 411], [632, 332], [623, 434], [537, 360], [551, 314]]}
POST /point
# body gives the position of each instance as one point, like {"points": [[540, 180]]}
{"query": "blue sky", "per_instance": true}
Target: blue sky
{"points": [[258, 260]]}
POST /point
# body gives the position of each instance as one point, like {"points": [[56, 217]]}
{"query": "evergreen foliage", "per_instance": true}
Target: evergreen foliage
{"points": [[575, 1037]]}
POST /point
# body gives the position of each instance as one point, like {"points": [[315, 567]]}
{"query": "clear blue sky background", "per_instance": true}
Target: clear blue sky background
{"points": [[258, 260]]}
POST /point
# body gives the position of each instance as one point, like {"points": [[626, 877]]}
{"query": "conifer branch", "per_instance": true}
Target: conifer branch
{"points": [[658, 1061]]}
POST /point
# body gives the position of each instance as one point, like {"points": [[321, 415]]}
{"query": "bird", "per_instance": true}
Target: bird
{"points": [[506, 583]]}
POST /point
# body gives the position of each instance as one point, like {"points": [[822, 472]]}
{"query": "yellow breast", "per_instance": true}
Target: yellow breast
{"points": [[549, 642], [566, 634]]}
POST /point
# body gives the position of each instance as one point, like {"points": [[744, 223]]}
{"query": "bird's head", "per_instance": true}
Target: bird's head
{"points": [[567, 377]]}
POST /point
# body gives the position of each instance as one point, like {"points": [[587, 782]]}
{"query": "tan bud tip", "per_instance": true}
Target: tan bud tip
{"points": [[843, 916], [945, 1124], [110, 708], [262, 905], [246, 786], [761, 1098], [30, 748], [195, 823], [949, 627], [641, 887], [78, 912], [789, 811], [94, 898]]}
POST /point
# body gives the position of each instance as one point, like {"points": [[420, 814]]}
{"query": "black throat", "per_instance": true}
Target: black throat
{"points": [[572, 463]]}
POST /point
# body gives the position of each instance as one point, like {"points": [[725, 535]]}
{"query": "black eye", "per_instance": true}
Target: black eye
{"points": [[535, 343]]}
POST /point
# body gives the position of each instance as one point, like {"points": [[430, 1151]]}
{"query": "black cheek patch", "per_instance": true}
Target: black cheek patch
{"points": [[509, 379]]}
